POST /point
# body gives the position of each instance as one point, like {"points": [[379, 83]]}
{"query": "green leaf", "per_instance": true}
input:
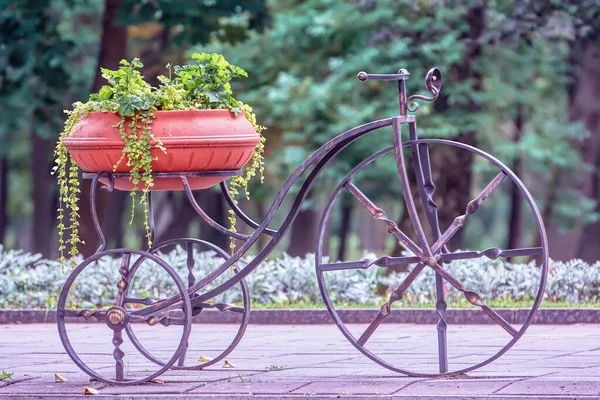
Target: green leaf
{"points": [[129, 104], [105, 93]]}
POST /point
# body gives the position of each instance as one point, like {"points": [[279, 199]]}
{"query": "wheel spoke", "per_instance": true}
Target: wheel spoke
{"points": [[385, 261], [190, 264], [475, 299], [164, 319], [219, 306], [99, 315], [397, 294], [472, 207], [118, 354], [380, 215], [147, 301], [491, 253], [124, 282], [383, 313]]}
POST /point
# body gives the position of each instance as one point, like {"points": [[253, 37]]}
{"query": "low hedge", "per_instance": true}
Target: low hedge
{"points": [[29, 281]]}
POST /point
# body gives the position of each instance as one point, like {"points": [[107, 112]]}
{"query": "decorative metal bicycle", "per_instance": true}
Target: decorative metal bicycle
{"points": [[184, 301]]}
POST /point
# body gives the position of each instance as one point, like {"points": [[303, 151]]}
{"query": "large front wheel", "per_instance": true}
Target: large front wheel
{"points": [[430, 264]]}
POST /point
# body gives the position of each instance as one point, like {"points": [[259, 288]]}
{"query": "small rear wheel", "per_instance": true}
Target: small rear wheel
{"points": [[201, 257], [96, 291]]}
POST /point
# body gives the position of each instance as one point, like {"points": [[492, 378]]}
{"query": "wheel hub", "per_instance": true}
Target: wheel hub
{"points": [[116, 318]]}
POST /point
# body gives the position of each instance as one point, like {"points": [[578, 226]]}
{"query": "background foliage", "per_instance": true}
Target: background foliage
{"points": [[291, 281], [518, 82]]}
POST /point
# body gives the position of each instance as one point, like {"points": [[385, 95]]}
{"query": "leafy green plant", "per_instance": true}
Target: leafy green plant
{"points": [[202, 84], [5, 375]]}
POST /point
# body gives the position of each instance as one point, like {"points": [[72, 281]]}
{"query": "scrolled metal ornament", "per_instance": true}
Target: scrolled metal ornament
{"points": [[433, 83]]}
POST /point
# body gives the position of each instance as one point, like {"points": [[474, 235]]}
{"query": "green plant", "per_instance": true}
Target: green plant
{"points": [[202, 84], [5, 375]]}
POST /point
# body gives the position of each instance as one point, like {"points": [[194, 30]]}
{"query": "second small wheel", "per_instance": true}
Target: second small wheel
{"points": [[96, 292], [227, 314]]}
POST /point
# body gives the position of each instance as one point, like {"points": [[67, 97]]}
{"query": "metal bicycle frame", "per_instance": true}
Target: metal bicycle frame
{"points": [[424, 254]]}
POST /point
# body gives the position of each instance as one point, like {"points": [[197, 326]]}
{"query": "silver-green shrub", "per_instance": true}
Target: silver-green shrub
{"points": [[28, 281]]}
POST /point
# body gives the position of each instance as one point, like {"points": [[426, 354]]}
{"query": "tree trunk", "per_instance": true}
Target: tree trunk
{"points": [[453, 178], [113, 48], [451, 168], [42, 190], [345, 222], [184, 215], [371, 232], [303, 238], [585, 108], [516, 211], [3, 197], [260, 212], [212, 202]]}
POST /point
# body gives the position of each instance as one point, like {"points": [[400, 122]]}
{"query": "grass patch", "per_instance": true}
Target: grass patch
{"points": [[431, 305]]}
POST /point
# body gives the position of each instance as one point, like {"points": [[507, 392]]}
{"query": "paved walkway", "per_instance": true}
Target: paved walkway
{"points": [[314, 361]]}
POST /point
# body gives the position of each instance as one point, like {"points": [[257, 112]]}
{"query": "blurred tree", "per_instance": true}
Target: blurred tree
{"points": [[43, 44], [34, 80], [112, 49], [160, 32], [505, 61], [308, 92], [519, 82], [571, 34]]}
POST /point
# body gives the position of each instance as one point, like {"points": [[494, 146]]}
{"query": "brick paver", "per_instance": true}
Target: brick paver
{"points": [[313, 361]]}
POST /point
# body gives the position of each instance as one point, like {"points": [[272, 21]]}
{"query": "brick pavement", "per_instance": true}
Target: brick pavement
{"points": [[313, 361]]}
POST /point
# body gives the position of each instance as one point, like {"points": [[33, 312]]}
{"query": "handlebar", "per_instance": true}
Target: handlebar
{"points": [[433, 84], [400, 76]]}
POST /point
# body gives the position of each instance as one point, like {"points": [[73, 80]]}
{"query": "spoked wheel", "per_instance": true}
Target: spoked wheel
{"points": [[403, 349], [96, 291], [198, 352]]}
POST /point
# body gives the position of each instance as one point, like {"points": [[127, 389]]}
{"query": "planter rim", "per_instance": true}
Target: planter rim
{"points": [[182, 141], [170, 143], [173, 112]]}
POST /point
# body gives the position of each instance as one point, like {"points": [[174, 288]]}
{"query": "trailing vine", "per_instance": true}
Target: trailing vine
{"points": [[256, 164], [201, 84]]}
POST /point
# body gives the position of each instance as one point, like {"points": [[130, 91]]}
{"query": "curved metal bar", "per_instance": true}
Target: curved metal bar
{"points": [[324, 154], [238, 211], [321, 156], [94, 211], [205, 216], [406, 192]]}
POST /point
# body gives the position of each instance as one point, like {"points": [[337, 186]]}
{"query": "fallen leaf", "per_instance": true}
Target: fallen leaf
{"points": [[90, 390], [60, 378], [228, 364], [157, 381], [205, 359]]}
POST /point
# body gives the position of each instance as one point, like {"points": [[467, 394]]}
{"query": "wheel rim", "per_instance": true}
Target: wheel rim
{"points": [[320, 270], [61, 311]]}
